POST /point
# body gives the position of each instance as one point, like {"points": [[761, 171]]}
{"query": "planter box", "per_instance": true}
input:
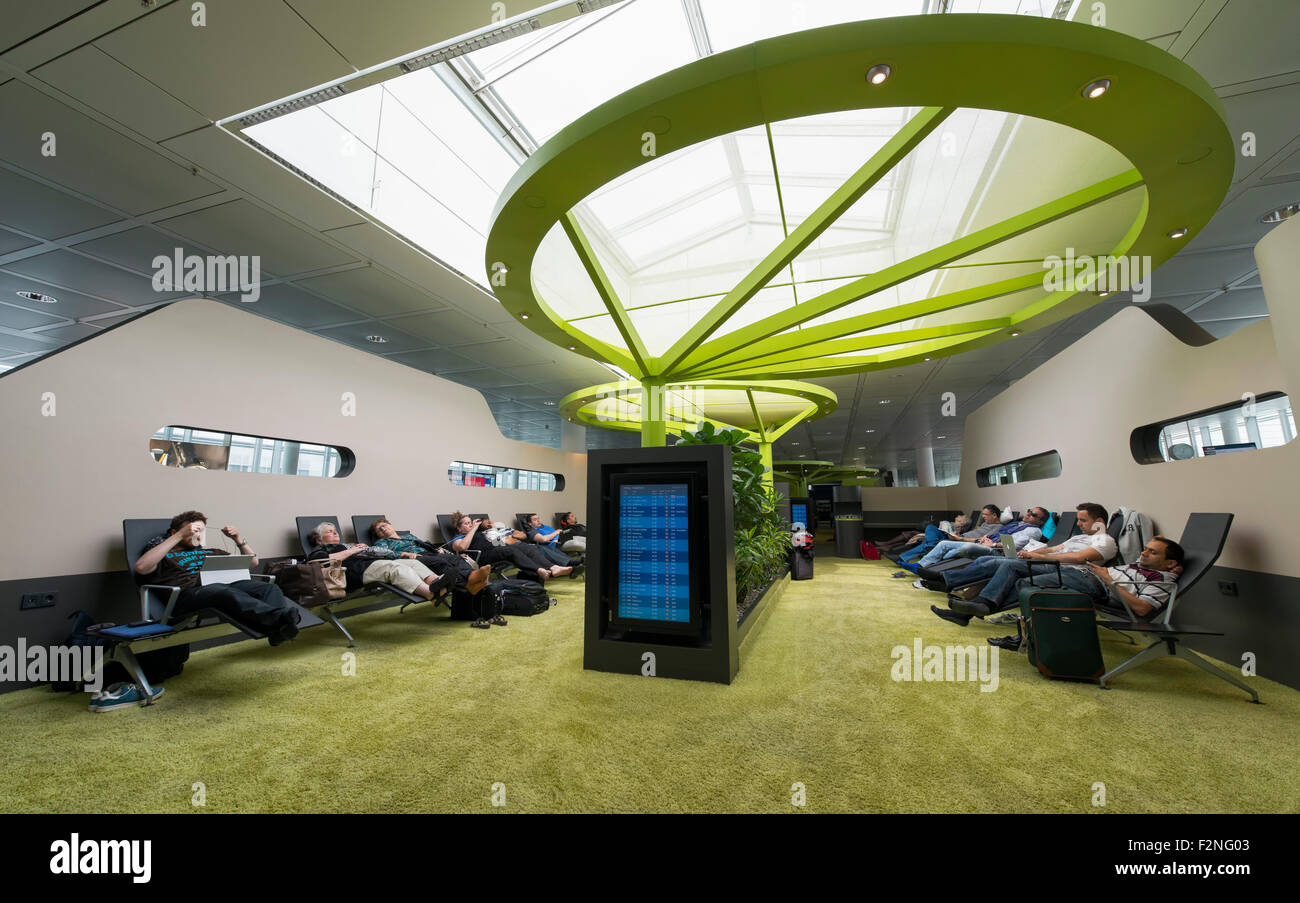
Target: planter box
{"points": [[757, 613]]}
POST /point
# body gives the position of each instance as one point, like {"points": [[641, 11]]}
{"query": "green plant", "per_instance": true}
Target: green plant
{"points": [[761, 540]]}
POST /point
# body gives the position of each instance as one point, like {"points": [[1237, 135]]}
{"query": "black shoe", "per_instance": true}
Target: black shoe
{"points": [[1009, 643], [936, 586], [949, 615], [977, 606], [930, 574]]}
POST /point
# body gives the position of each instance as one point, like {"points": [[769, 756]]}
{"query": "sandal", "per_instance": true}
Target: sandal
{"points": [[480, 623], [499, 621]]}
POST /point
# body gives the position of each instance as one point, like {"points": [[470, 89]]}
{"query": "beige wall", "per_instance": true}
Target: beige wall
{"points": [[905, 498], [1127, 373], [70, 479]]}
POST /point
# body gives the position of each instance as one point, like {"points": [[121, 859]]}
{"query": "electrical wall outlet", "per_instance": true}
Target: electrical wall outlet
{"points": [[37, 600], [1228, 587]]}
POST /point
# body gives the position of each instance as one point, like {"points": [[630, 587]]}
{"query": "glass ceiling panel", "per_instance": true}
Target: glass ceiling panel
{"points": [[677, 233], [632, 44], [734, 23]]}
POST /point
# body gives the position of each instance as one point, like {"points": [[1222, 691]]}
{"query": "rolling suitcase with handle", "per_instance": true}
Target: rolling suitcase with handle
{"points": [[1060, 628]]}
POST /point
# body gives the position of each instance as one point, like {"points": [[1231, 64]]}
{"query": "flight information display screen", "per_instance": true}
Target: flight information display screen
{"points": [[799, 514], [654, 565]]}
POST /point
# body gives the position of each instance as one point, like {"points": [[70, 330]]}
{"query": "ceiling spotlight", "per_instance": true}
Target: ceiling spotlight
{"points": [[877, 74], [941, 437], [377, 339], [549, 404], [794, 443], [1281, 213], [523, 316], [870, 431], [1014, 333], [885, 401], [1095, 89], [573, 347], [1104, 294], [861, 447], [38, 297], [927, 358], [1179, 232]]}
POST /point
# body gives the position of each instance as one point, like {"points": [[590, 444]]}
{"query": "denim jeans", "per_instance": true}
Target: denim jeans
{"points": [[951, 549], [1003, 590]]}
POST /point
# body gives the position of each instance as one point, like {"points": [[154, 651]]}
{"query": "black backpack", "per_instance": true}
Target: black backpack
{"points": [[524, 598], [157, 665]]}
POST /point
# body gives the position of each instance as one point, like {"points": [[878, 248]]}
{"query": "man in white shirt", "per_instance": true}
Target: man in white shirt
{"points": [[1075, 554]]}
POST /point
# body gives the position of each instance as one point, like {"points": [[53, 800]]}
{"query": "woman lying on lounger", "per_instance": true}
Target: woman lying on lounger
{"points": [[407, 546], [366, 565], [470, 536]]}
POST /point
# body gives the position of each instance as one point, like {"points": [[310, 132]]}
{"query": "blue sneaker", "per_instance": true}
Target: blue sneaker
{"points": [[121, 696]]}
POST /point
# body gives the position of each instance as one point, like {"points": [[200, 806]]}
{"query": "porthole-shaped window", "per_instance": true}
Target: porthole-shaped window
{"points": [[1248, 424], [491, 476], [1042, 466], [190, 448]]}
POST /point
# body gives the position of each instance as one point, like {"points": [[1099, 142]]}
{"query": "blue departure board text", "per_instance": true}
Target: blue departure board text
{"points": [[654, 573], [799, 514]]}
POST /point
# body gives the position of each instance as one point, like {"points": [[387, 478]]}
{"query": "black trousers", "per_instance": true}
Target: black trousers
{"points": [[258, 604], [444, 563], [527, 559]]}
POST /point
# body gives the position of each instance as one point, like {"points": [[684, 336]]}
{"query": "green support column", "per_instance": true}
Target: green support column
{"points": [[654, 431], [765, 452]]}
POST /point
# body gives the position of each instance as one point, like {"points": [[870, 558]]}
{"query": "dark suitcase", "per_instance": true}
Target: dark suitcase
{"points": [[1060, 628], [801, 564], [523, 598]]}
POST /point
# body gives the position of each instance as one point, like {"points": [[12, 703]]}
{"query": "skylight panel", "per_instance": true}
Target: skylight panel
{"points": [[630, 46], [734, 23]]}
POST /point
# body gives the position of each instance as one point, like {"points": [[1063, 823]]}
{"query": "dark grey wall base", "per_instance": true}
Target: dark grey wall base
{"points": [[1263, 619]]}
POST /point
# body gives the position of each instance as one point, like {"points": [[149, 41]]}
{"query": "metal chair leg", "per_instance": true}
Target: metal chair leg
{"points": [[124, 655], [1185, 653], [343, 630], [1155, 650]]}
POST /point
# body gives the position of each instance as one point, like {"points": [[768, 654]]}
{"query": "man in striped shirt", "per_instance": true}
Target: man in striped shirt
{"points": [[1146, 587]]}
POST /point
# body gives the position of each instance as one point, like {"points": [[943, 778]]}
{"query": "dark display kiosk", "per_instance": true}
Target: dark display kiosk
{"points": [[660, 563], [802, 511]]}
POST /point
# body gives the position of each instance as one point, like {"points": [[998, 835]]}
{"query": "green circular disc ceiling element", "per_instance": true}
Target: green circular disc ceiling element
{"points": [[802, 472], [1157, 114], [764, 411]]}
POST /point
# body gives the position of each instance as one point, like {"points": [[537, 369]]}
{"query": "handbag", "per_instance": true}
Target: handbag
{"points": [[311, 583]]}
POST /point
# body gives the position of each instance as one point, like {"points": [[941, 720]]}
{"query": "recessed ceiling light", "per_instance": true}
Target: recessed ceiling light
{"points": [[870, 431], [1104, 294], [794, 443], [573, 347], [549, 404], [1095, 89], [877, 74], [523, 316], [927, 358], [941, 437], [861, 447], [38, 297], [1015, 333], [1281, 213], [885, 401], [377, 339], [1179, 232]]}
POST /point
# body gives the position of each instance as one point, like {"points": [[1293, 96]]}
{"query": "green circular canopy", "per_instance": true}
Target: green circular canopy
{"points": [[765, 410], [1158, 114]]}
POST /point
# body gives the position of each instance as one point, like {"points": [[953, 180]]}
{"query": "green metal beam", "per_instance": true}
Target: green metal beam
{"points": [[863, 322], [758, 419], [865, 343], [844, 197], [912, 267], [605, 288]]}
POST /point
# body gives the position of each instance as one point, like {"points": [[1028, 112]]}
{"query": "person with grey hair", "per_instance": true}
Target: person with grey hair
{"points": [[364, 564]]}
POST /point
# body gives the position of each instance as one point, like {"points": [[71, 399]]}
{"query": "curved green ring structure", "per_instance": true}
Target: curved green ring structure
{"points": [[1159, 113], [821, 402]]}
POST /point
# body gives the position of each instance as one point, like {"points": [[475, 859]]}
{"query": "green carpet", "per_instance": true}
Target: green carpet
{"points": [[438, 713]]}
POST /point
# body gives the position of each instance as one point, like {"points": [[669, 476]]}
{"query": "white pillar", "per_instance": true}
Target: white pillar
{"points": [[573, 438], [1278, 256], [925, 466]]}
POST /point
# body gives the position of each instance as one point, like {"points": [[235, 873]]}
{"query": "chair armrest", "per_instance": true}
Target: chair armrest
{"points": [[1030, 562], [269, 578], [1165, 615], [171, 594]]}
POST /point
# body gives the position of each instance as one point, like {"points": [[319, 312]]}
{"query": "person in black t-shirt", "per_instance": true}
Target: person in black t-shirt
{"points": [[175, 560]]}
